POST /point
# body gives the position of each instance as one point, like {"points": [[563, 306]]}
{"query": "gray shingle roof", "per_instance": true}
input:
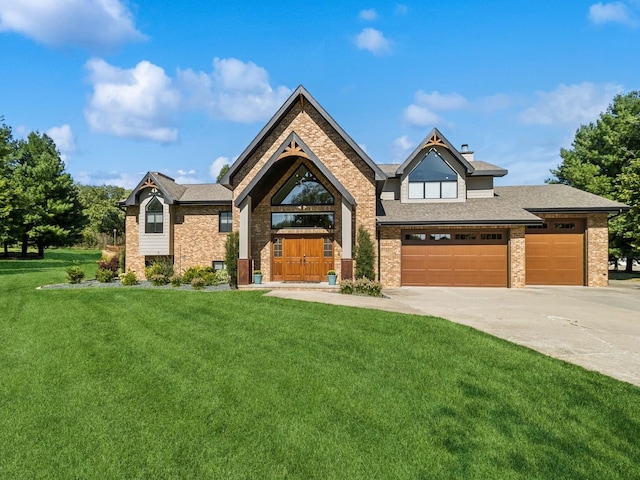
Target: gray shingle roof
{"points": [[389, 169], [479, 168], [485, 168], [206, 193], [472, 212], [557, 197]]}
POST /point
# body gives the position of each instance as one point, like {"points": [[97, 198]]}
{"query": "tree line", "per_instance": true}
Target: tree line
{"points": [[605, 160], [41, 206]]}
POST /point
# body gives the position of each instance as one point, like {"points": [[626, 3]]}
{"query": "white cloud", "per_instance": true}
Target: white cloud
{"points": [[84, 23], [64, 140], [235, 91], [216, 166], [423, 112], [401, 147], [570, 104], [186, 177], [439, 101], [374, 41], [135, 103], [401, 9], [124, 180], [614, 12], [369, 14]]}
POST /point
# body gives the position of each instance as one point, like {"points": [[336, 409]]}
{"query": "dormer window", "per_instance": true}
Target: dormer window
{"points": [[433, 178], [153, 216]]}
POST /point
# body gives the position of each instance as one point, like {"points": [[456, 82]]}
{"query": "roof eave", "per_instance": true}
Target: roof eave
{"points": [[413, 223]]}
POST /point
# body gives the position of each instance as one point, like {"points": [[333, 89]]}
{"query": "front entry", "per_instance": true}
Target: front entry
{"points": [[301, 258]]}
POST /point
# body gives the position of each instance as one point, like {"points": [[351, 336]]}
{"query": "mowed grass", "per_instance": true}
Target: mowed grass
{"points": [[159, 384]]}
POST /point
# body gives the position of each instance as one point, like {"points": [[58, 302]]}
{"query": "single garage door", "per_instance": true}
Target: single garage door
{"points": [[459, 259], [555, 253]]}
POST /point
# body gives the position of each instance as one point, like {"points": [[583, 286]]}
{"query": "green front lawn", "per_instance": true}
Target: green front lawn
{"points": [[144, 383]]}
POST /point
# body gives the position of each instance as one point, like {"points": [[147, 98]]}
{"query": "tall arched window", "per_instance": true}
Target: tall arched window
{"points": [[153, 216]]}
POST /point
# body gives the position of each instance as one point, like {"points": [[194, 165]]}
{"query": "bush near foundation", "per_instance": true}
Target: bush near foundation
{"points": [[105, 275], [361, 286], [128, 279]]}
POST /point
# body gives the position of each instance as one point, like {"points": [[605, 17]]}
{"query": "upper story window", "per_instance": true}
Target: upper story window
{"points": [[153, 216], [433, 178], [302, 188], [225, 221]]}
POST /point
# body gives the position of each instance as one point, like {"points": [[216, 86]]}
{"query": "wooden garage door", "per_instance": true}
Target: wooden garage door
{"points": [[555, 253], [462, 259]]}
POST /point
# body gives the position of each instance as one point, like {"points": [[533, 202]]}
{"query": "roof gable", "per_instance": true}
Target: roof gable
{"points": [[170, 190], [294, 146], [436, 139], [299, 95]]}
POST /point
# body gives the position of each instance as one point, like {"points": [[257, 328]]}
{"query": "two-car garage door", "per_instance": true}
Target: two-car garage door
{"points": [[555, 255], [447, 258]]}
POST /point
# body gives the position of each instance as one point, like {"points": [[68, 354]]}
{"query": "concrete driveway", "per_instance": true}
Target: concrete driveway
{"points": [[596, 328]]}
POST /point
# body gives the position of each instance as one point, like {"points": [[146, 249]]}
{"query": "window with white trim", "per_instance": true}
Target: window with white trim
{"points": [[153, 216]]}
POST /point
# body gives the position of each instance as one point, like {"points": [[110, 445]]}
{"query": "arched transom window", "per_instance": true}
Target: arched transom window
{"points": [[153, 216], [302, 188], [433, 178]]}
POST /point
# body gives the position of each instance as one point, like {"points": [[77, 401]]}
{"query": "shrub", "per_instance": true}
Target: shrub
{"points": [[129, 278], [104, 275], [158, 279], [222, 277], [361, 286], [364, 255], [198, 283], [196, 271], [209, 278], [175, 281], [74, 274], [232, 250], [162, 267], [111, 264]]}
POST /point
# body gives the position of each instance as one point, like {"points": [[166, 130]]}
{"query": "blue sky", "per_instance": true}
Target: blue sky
{"points": [[125, 87]]}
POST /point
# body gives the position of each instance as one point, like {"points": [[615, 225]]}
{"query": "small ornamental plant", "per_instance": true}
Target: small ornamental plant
{"points": [[129, 279], [158, 280], [175, 280], [75, 274], [105, 275], [222, 277], [361, 286], [331, 272], [257, 272], [198, 283]]}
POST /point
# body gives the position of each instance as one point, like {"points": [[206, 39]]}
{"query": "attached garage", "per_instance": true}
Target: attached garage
{"points": [[450, 258], [555, 252]]}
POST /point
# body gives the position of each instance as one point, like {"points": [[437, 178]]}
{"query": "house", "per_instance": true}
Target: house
{"points": [[301, 189]]}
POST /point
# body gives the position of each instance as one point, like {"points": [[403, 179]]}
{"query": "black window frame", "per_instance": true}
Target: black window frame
{"points": [[154, 227], [225, 221]]}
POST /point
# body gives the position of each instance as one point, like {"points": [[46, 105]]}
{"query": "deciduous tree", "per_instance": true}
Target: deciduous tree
{"points": [[600, 152]]}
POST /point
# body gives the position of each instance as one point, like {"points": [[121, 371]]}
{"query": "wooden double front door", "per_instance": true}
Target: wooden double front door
{"points": [[301, 258]]}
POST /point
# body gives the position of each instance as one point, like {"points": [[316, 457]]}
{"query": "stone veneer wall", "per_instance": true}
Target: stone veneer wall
{"points": [[517, 259], [339, 158], [196, 238], [133, 261]]}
